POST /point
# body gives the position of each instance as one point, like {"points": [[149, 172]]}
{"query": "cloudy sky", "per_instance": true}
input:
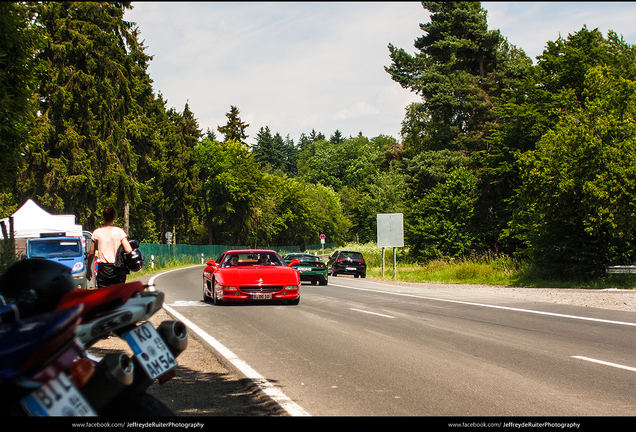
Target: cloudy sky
{"points": [[300, 66]]}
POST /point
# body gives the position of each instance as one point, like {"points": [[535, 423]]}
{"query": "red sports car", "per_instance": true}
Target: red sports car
{"points": [[250, 274]]}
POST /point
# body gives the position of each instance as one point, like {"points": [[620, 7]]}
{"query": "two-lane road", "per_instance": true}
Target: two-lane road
{"points": [[361, 347]]}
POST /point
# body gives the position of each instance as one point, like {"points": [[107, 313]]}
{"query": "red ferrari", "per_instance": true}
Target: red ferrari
{"points": [[250, 274]]}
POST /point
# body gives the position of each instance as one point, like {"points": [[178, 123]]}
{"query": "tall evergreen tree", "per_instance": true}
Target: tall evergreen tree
{"points": [[267, 150], [234, 129], [337, 137], [18, 44], [180, 183], [460, 67], [290, 155], [93, 79], [316, 136]]}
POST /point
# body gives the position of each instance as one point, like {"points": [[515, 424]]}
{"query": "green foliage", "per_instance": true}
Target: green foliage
{"points": [[91, 91], [428, 168], [439, 224], [342, 164], [230, 181], [292, 212], [275, 155], [383, 192], [18, 44], [577, 213]]}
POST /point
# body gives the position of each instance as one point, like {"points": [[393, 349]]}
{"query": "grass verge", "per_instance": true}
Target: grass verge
{"points": [[489, 269]]}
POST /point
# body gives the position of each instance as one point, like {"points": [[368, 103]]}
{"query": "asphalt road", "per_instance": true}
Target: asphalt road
{"points": [[363, 348]]}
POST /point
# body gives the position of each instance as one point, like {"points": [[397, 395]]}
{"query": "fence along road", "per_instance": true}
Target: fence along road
{"points": [[197, 254]]}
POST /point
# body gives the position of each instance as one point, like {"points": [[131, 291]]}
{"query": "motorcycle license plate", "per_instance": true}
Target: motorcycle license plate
{"points": [[261, 296], [57, 397], [152, 353]]}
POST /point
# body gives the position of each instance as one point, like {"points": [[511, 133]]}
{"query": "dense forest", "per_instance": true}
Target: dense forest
{"points": [[500, 156]]}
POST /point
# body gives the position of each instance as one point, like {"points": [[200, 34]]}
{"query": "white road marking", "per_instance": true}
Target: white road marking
{"points": [[629, 368], [491, 306], [188, 303], [372, 313], [268, 388]]}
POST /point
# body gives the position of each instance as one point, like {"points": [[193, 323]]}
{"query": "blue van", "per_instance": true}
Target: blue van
{"points": [[65, 250]]}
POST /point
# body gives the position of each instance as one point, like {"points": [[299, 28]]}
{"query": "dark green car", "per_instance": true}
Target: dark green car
{"points": [[311, 268]]}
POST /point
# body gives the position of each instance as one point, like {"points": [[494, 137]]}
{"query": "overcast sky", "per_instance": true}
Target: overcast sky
{"points": [[300, 66]]}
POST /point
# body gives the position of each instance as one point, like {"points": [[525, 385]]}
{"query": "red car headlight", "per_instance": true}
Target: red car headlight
{"points": [[291, 287], [227, 288]]}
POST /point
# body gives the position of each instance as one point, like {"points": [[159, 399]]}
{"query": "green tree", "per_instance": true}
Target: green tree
{"points": [[383, 192], [439, 225], [91, 83], [230, 184], [316, 136], [180, 178], [234, 129], [268, 150], [18, 44], [528, 109], [460, 68], [292, 212], [275, 154], [337, 137], [327, 215], [150, 134], [287, 217], [290, 155], [565, 62], [340, 165], [576, 211]]}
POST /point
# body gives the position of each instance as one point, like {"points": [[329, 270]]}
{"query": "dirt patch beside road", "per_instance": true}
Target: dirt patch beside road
{"points": [[202, 385]]}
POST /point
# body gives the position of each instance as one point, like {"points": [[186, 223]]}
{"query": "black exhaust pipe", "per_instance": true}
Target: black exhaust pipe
{"points": [[112, 375]]}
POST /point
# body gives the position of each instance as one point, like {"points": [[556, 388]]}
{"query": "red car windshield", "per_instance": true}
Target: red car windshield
{"points": [[252, 259]]}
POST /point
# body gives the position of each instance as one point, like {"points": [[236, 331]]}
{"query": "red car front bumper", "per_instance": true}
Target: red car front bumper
{"points": [[238, 295]]}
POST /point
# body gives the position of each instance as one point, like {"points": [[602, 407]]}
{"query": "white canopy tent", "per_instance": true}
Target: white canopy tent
{"points": [[30, 220]]}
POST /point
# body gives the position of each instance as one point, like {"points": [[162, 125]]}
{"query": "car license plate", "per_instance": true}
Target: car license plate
{"points": [[152, 353], [352, 268], [261, 297], [57, 397], [304, 268]]}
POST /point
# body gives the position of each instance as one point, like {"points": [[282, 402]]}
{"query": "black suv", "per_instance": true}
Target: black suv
{"points": [[347, 262]]}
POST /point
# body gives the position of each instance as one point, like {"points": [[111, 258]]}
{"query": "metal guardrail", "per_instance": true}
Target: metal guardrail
{"points": [[621, 269]]}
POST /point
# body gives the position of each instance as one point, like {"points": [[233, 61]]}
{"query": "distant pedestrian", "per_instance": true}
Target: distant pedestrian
{"points": [[106, 241]]}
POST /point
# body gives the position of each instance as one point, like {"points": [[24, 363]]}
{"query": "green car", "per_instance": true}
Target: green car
{"points": [[311, 268]]}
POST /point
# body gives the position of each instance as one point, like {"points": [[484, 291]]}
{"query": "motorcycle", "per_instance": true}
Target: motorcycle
{"points": [[42, 364], [124, 310], [117, 384]]}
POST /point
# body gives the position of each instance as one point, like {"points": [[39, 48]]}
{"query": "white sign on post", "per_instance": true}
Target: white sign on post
{"points": [[390, 234], [390, 230]]}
